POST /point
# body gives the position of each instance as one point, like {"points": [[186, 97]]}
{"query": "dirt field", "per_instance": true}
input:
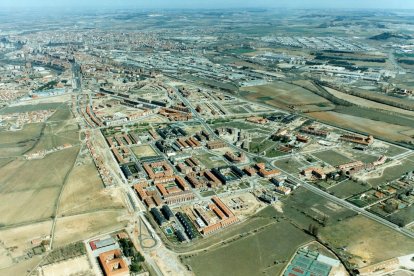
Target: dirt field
{"points": [[15, 143], [144, 151], [79, 227], [16, 241], [36, 184], [281, 94], [369, 241], [22, 267], [84, 191], [79, 265], [376, 128], [252, 205]]}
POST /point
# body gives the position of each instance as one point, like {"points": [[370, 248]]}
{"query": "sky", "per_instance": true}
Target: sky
{"points": [[213, 4]]}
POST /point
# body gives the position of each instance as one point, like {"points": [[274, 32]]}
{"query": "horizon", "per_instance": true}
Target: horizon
{"points": [[213, 4]]}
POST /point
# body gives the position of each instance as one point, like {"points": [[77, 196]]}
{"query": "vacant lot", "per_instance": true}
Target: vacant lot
{"points": [[36, 184], [18, 240], [31, 107], [57, 134], [210, 160], [289, 165], [79, 227], [15, 143], [144, 151], [376, 128], [348, 188], [305, 207], [334, 158], [255, 254], [282, 95], [84, 191], [79, 265], [392, 173], [367, 241], [263, 251]]}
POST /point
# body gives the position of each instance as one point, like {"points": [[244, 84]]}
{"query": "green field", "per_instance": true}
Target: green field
{"points": [[305, 207], [392, 173], [366, 241], [256, 254], [260, 144], [348, 188], [289, 165], [332, 157], [281, 94], [28, 108], [210, 160]]}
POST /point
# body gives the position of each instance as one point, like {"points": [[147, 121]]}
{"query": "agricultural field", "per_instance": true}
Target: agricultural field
{"points": [[366, 241], [376, 128], [36, 183], [282, 95], [144, 151], [367, 103]]}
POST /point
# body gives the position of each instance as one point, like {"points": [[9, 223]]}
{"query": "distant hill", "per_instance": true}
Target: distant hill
{"points": [[388, 35]]}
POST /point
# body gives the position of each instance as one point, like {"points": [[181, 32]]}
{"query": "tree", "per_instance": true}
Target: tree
{"points": [[135, 267], [313, 230]]}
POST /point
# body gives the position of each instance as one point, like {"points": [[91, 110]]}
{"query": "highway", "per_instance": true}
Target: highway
{"points": [[306, 185]]}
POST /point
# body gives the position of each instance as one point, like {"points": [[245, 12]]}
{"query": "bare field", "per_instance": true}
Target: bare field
{"points": [[376, 128], [144, 151], [281, 94], [84, 191], [57, 134], [36, 184], [32, 205], [21, 268], [15, 143], [79, 265], [79, 227], [20, 237], [369, 241]]}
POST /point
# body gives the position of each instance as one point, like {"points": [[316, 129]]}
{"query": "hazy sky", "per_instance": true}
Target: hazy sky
{"points": [[383, 4]]}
